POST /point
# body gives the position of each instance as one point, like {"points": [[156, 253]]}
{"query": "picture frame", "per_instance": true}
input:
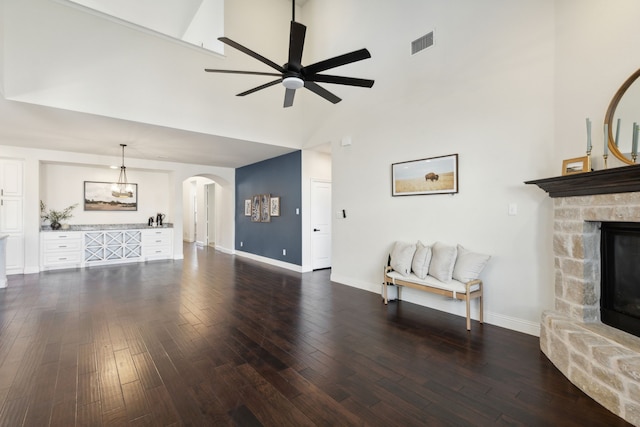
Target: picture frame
{"points": [[576, 165], [432, 175], [265, 215], [247, 207], [255, 208], [98, 196], [274, 206]]}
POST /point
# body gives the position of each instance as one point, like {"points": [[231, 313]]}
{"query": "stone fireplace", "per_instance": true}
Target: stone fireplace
{"points": [[602, 361]]}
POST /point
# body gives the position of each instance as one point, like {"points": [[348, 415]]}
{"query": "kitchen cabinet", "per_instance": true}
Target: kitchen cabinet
{"points": [[61, 250], [11, 178], [157, 244], [85, 248]]}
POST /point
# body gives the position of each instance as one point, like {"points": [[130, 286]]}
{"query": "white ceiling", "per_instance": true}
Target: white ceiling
{"points": [[75, 81]]}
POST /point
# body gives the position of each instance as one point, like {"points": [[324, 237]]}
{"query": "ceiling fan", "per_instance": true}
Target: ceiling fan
{"points": [[293, 75]]}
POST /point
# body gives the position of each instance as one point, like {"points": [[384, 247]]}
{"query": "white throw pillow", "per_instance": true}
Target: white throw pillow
{"points": [[443, 259], [469, 265], [421, 260], [401, 257]]}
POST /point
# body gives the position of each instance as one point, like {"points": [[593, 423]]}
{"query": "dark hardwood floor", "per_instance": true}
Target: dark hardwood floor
{"points": [[219, 340]]}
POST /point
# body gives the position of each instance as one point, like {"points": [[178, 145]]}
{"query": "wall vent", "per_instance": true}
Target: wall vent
{"points": [[422, 43]]}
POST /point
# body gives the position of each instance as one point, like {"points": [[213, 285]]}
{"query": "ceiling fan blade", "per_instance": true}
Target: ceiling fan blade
{"points": [[288, 97], [255, 73], [319, 90], [349, 81], [296, 44], [264, 86], [347, 58], [251, 53]]}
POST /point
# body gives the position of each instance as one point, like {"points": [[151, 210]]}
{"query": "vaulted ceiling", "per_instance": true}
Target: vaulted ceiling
{"points": [[78, 81]]}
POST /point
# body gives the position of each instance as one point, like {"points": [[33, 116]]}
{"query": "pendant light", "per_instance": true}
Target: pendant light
{"points": [[122, 189]]}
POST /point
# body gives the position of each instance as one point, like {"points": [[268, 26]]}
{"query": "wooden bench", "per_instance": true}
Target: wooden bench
{"points": [[453, 289]]}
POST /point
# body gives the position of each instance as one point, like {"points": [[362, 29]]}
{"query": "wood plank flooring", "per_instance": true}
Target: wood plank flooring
{"points": [[217, 340]]}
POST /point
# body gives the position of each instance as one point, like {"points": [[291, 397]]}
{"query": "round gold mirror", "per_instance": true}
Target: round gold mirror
{"points": [[622, 113]]}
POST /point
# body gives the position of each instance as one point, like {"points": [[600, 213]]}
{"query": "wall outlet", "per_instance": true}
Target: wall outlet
{"points": [[284, 252], [241, 244]]}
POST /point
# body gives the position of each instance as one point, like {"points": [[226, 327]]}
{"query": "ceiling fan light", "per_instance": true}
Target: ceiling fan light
{"points": [[293, 82]]}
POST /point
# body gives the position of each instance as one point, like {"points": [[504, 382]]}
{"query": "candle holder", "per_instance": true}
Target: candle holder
{"points": [[634, 156], [589, 160], [605, 160]]}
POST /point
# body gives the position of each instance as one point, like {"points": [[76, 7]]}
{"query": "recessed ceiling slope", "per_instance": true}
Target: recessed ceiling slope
{"points": [[61, 57]]}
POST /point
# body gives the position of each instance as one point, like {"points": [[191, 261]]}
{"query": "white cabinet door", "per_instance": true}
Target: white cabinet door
{"points": [[11, 215], [15, 254], [105, 247], [10, 178]]}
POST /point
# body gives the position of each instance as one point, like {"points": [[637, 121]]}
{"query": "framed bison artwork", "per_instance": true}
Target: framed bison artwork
{"points": [[435, 175]]}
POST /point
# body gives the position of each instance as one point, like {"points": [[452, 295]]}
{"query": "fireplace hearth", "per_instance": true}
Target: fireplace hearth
{"points": [[601, 360]]}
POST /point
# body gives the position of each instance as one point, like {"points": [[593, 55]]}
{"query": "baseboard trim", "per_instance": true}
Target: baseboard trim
{"points": [[224, 250], [270, 261], [492, 318]]}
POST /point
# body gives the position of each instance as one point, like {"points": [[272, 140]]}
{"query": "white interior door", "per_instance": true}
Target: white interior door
{"points": [[320, 224]]}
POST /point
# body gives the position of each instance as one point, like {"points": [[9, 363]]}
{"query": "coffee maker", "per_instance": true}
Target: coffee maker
{"points": [[159, 218]]}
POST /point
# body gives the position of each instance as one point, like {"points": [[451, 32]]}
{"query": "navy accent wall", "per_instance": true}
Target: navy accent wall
{"points": [[280, 176]]}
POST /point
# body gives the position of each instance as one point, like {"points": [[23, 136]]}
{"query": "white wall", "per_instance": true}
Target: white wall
{"points": [[62, 185], [486, 92], [507, 87], [597, 45], [176, 174], [188, 205]]}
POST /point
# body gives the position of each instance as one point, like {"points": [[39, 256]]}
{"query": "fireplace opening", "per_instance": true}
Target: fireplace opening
{"points": [[620, 276]]}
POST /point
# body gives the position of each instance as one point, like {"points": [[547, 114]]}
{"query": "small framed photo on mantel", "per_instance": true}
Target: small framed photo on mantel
{"points": [[576, 165]]}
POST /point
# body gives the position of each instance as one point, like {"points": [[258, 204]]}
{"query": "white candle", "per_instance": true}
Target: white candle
{"points": [[606, 139], [617, 132], [588, 135], [634, 143]]}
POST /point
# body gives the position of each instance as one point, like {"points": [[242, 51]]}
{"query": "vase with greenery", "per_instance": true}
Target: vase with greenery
{"points": [[54, 217]]}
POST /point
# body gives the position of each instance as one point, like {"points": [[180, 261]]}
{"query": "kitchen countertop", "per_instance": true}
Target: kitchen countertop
{"points": [[98, 227]]}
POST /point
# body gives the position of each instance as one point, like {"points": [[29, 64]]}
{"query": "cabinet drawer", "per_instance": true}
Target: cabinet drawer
{"points": [[62, 258], [60, 236], [62, 245], [156, 240], [150, 252], [159, 237], [165, 232]]}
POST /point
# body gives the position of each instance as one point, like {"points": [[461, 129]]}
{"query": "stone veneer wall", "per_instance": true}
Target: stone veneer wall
{"points": [[602, 361]]}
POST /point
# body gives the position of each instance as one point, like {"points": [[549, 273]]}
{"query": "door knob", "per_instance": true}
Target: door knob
{"points": [[316, 229]]}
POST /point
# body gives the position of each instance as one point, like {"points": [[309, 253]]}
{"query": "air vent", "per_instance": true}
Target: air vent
{"points": [[422, 43]]}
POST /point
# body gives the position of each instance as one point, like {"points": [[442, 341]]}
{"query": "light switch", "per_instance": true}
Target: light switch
{"points": [[513, 209]]}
